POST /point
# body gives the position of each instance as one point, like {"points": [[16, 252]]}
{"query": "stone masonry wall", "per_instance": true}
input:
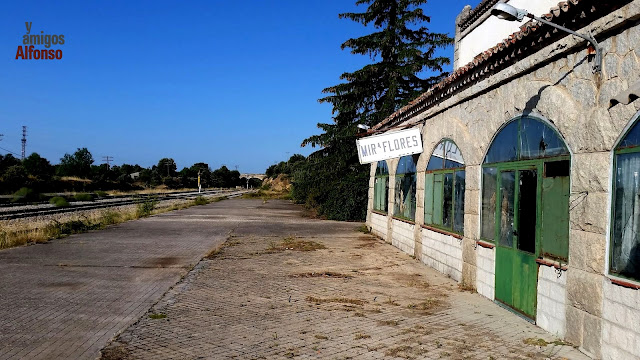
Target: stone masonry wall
{"points": [[557, 85], [443, 253], [402, 236], [552, 299], [621, 322], [486, 272], [378, 225]]}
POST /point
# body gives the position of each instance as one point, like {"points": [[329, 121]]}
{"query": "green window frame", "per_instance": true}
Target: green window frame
{"points": [[405, 189], [381, 188], [529, 143], [624, 243], [444, 188]]}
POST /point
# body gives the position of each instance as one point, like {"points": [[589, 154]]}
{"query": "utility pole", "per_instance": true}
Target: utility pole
{"points": [[24, 141], [108, 159]]}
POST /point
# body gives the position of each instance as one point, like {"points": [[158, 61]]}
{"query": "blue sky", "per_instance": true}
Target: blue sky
{"points": [[232, 83]]}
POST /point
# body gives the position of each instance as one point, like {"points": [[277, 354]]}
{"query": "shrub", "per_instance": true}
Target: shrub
{"points": [[146, 207], [25, 195], [110, 217], [59, 201], [101, 194], [83, 197], [201, 200]]}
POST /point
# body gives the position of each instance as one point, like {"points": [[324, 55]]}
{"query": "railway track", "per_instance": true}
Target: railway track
{"points": [[8, 213]]}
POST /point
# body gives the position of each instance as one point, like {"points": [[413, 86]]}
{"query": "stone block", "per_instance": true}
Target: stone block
{"points": [[471, 224], [582, 69], [611, 66], [610, 89], [589, 212], [471, 202], [622, 338], [629, 68], [632, 320], [601, 128], [622, 43], [587, 251], [592, 335], [575, 323], [590, 172], [468, 254], [584, 291]]}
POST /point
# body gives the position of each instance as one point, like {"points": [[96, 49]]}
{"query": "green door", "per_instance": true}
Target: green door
{"points": [[516, 267]]}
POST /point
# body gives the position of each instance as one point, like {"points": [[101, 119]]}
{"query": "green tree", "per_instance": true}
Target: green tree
{"points": [[404, 65], [167, 167], [37, 166], [13, 178], [78, 164]]}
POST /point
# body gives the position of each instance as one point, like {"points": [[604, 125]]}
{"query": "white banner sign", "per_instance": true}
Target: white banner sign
{"points": [[389, 145]]}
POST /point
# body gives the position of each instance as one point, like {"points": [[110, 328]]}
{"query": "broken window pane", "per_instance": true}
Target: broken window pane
{"points": [[525, 138], [537, 140], [445, 156], [405, 191], [458, 211], [489, 187]]}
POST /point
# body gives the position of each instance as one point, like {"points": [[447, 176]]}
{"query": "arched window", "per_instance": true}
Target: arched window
{"points": [[444, 188], [405, 191], [625, 239], [530, 150], [381, 187]]}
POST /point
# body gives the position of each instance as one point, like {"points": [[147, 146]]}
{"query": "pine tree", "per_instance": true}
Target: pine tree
{"points": [[403, 52]]}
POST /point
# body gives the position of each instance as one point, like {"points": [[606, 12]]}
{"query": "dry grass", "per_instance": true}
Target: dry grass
{"points": [[466, 287], [267, 195], [388, 322], [543, 342], [117, 352], [32, 231], [335, 300], [292, 243], [322, 274], [426, 307], [411, 352]]}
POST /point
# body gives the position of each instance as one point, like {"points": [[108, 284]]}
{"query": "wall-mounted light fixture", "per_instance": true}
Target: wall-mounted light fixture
{"points": [[507, 12]]}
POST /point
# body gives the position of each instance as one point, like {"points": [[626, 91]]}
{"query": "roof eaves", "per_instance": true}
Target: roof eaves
{"points": [[489, 61]]}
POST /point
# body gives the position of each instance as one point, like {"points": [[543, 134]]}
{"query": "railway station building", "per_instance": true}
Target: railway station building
{"points": [[528, 185]]}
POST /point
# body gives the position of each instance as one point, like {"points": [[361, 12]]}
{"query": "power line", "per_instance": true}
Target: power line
{"points": [[9, 151]]}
